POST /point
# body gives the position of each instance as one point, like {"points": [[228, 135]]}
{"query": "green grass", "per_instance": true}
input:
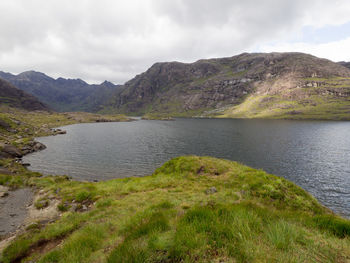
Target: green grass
{"points": [[169, 217], [323, 102], [42, 203]]}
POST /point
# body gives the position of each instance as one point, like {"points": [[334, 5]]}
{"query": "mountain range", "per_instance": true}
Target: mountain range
{"points": [[249, 85], [14, 97], [257, 85], [345, 64], [62, 94]]}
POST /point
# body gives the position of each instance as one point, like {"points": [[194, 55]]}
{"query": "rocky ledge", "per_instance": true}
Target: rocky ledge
{"points": [[11, 151]]}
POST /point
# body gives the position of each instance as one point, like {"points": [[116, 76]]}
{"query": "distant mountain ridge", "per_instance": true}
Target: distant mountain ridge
{"points": [[14, 97], [62, 94], [250, 85], [345, 64]]}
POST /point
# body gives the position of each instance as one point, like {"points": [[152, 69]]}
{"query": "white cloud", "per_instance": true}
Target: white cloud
{"points": [[114, 39], [336, 50]]}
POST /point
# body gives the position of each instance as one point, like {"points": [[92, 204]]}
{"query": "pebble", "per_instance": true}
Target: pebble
{"points": [[211, 190]]}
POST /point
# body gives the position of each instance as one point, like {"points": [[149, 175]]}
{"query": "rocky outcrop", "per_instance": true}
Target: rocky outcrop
{"points": [[33, 146], [9, 151], [58, 131]]}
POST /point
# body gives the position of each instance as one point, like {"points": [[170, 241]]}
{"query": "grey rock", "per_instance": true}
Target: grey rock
{"points": [[74, 207], [11, 151], [3, 191], [4, 125], [38, 146], [211, 190]]}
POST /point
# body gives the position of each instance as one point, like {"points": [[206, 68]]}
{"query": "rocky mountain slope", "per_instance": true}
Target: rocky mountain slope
{"points": [[62, 94], [345, 64], [14, 97], [270, 85]]}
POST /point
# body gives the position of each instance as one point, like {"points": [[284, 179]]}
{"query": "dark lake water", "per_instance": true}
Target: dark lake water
{"points": [[315, 155]]}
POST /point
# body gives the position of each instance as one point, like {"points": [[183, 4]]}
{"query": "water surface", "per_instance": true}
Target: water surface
{"points": [[313, 154]]}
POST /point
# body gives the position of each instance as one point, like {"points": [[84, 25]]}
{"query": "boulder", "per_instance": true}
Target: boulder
{"points": [[3, 191], [4, 125], [38, 146], [58, 131], [10, 151]]}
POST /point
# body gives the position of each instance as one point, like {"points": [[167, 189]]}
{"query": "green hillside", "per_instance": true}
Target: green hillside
{"points": [[192, 209]]}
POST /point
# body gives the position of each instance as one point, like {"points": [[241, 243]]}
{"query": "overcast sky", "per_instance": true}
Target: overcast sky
{"points": [[114, 40]]}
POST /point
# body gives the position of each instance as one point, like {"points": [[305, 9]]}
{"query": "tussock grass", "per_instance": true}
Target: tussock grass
{"points": [[169, 217]]}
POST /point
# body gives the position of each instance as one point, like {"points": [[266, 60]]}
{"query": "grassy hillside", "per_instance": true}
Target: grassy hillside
{"points": [[192, 209], [316, 98]]}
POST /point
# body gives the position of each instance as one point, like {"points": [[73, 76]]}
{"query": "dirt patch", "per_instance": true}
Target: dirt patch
{"points": [[47, 214], [13, 213], [43, 247], [13, 210], [17, 211]]}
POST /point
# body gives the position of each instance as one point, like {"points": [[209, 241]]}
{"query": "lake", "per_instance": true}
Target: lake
{"points": [[313, 154]]}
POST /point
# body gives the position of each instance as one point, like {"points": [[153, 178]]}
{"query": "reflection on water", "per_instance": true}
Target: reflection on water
{"points": [[313, 154]]}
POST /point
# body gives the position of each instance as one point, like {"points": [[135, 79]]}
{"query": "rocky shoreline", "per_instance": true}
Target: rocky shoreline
{"points": [[9, 151], [19, 206]]}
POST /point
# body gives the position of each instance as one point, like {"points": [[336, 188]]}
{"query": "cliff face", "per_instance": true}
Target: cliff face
{"points": [[14, 97], [214, 85]]}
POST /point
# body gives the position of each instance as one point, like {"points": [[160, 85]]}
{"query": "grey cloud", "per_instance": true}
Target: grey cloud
{"points": [[114, 40]]}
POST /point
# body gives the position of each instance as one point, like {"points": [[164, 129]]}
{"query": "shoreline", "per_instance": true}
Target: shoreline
{"points": [[17, 205], [342, 213]]}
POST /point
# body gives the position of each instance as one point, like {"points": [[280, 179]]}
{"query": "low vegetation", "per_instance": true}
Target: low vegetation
{"points": [[192, 209], [316, 98]]}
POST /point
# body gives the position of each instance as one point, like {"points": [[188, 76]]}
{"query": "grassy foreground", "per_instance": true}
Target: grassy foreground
{"points": [[192, 209]]}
